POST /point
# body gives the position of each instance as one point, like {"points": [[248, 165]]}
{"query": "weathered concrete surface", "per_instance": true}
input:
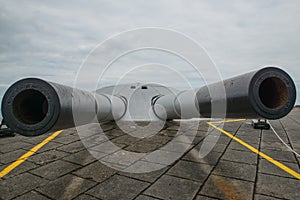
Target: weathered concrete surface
{"points": [[65, 169]]}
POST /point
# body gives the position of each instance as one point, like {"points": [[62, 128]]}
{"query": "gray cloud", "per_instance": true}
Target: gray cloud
{"points": [[50, 39]]}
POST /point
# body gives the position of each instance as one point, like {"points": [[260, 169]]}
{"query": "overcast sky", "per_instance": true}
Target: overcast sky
{"points": [[50, 39]]}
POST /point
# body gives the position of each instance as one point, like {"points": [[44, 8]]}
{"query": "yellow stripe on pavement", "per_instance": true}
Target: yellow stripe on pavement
{"points": [[32, 151], [268, 158]]}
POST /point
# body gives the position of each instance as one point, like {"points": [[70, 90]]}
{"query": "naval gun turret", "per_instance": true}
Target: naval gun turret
{"points": [[33, 106]]}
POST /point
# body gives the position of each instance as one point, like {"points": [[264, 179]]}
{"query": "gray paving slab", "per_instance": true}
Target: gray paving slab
{"points": [[162, 157], [147, 177], [191, 170], [12, 146], [67, 187], [278, 186], [285, 156], [11, 156], [169, 187], [227, 188], [95, 171], [144, 197], [236, 170], [264, 197], [118, 187], [32, 195], [72, 147], [47, 157], [49, 146], [240, 156], [237, 146], [18, 185], [268, 168], [26, 166], [201, 197], [85, 197], [67, 139], [83, 157], [55, 169], [211, 158]]}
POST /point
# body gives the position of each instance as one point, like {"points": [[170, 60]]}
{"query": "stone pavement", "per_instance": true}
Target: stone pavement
{"points": [[65, 169]]}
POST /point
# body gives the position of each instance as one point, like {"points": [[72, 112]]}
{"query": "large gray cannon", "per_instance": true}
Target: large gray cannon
{"points": [[33, 106]]}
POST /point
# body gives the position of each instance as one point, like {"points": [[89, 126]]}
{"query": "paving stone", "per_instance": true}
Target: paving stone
{"points": [[218, 139], [200, 197], [269, 168], [34, 140], [85, 197], [72, 147], [55, 169], [10, 147], [114, 133], [278, 186], [83, 157], [227, 188], [8, 140], [169, 187], [211, 158], [271, 137], [237, 146], [286, 156], [94, 140], [126, 140], [124, 158], [215, 146], [32, 195], [188, 139], [18, 185], [49, 146], [95, 171], [276, 146], [11, 156], [176, 147], [67, 139], [236, 170], [159, 139], [240, 156], [24, 167], [143, 197], [107, 148], [190, 170], [162, 157], [142, 166], [263, 197], [66, 187], [142, 147], [151, 175], [247, 130], [118, 187], [47, 157]]}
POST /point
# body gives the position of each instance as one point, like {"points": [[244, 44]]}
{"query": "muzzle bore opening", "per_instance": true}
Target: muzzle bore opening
{"points": [[273, 93], [30, 106]]}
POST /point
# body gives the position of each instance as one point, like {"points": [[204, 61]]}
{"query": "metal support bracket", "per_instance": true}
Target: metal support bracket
{"points": [[261, 124], [5, 132]]}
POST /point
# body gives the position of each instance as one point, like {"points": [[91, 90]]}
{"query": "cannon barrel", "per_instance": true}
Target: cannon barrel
{"points": [[33, 106], [267, 93]]}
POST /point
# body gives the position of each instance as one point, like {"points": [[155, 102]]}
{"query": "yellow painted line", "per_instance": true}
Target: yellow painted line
{"points": [[32, 151], [227, 121], [268, 158]]}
